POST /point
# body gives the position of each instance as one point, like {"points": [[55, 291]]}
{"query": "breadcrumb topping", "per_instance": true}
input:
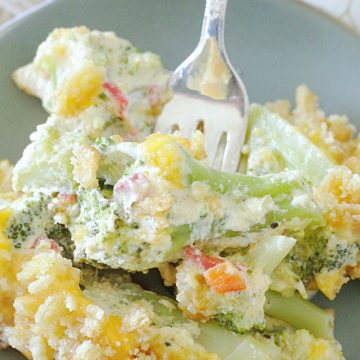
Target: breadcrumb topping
{"points": [[339, 198], [51, 318]]}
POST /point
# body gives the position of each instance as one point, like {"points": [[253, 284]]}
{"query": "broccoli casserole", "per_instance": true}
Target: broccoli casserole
{"points": [[98, 200]]}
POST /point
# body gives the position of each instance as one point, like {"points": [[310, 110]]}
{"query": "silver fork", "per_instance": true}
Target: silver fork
{"points": [[209, 94]]}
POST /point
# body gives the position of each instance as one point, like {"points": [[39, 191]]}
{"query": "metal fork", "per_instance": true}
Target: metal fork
{"points": [[209, 95]]}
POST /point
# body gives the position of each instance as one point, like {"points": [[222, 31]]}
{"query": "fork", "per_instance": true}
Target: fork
{"points": [[209, 95]]}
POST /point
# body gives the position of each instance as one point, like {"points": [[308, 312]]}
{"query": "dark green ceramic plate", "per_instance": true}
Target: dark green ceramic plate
{"points": [[275, 45]]}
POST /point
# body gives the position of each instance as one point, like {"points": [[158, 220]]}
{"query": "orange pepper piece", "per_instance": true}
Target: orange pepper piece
{"points": [[224, 277]]}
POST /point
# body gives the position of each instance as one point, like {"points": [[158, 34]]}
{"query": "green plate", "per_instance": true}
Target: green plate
{"points": [[274, 44]]}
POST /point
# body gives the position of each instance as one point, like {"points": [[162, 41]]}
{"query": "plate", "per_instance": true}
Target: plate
{"points": [[274, 44]]}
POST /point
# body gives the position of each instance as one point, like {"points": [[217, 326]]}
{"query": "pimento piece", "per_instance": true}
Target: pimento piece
{"points": [[53, 244], [67, 199], [118, 95], [220, 275], [132, 189], [224, 277], [206, 261], [154, 93], [136, 183]]}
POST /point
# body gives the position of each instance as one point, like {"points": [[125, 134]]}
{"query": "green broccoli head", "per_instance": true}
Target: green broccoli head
{"points": [[112, 161], [320, 251], [341, 254], [29, 220], [308, 256], [103, 233], [32, 220], [62, 236], [231, 321]]}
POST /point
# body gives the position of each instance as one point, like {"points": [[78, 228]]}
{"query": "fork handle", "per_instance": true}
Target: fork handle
{"points": [[214, 20]]}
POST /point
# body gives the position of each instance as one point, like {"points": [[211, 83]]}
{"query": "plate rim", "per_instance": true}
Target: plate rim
{"points": [[18, 19], [13, 23]]}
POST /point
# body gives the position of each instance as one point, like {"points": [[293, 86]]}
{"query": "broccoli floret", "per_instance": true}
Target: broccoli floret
{"points": [[62, 236], [308, 256], [342, 254], [19, 233], [112, 162], [57, 232], [117, 242], [30, 219], [230, 320], [321, 251], [103, 143]]}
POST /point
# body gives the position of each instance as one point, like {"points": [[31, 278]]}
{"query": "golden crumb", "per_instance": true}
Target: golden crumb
{"points": [[7, 278], [281, 107], [86, 162], [334, 134], [338, 196], [330, 282], [354, 271], [168, 273], [197, 145]]}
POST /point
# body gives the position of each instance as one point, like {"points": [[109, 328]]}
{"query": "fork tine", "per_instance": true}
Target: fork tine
{"points": [[187, 128], [232, 151], [211, 145]]}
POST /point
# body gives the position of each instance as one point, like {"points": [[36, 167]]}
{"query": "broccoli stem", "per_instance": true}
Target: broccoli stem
{"points": [[275, 185], [232, 346], [270, 251], [300, 314], [180, 236], [296, 150], [287, 212], [252, 186]]}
